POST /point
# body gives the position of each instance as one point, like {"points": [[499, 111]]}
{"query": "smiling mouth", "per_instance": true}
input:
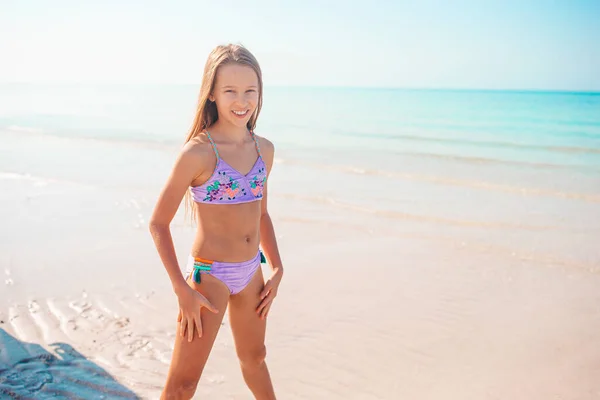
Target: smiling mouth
{"points": [[241, 113]]}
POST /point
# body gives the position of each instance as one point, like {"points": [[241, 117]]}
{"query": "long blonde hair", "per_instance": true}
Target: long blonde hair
{"points": [[206, 111]]}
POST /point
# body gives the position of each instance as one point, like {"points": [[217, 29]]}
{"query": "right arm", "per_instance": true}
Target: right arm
{"points": [[185, 170], [187, 167]]}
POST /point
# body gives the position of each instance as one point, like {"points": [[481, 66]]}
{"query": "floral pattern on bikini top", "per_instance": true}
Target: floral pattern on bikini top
{"points": [[228, 186]]}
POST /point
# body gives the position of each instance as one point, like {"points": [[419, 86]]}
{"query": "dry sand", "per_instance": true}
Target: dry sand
{"points": [[366, 311]]}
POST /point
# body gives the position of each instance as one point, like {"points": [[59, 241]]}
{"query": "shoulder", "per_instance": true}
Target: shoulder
{"points": [[266, 146], [197, 146], [267, 149], [197, 155]]}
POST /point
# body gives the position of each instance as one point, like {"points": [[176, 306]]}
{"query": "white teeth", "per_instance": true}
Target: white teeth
{"points": [[240, 112]]}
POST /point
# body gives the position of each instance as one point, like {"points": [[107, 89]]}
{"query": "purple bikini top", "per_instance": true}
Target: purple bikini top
{"points": [[226, 185]]}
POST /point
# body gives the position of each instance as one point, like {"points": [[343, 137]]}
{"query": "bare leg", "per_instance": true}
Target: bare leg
{"points": [[189, 358], [249, 335]]}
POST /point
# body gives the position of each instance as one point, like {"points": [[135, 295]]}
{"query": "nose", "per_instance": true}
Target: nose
{"points": [[241, 101]]}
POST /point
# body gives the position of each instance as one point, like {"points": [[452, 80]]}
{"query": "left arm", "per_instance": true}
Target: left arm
{"points": [[268, 241]]}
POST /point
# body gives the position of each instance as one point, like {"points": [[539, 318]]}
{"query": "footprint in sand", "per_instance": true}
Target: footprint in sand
{"points": [[110, 331], [8, 281], [34, 307]]}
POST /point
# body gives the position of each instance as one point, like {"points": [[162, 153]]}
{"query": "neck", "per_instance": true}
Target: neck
{"points": [[228, 131]]}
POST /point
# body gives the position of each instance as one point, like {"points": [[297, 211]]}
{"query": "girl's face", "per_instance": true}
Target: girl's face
{"points": [[235, 93]]}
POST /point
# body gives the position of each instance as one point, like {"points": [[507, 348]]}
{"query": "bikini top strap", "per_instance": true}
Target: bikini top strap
{"points": [[213, 144], [256, 143]]}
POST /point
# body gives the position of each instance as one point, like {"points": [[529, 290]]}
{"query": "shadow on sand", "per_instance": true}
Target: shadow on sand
{"points": [[28, 371]]}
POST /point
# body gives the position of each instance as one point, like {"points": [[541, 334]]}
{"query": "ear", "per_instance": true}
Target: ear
{"points": [[211, 97]]}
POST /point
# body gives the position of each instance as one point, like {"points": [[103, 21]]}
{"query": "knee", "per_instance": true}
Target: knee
{"points": [[253, 357], [180, 390]]}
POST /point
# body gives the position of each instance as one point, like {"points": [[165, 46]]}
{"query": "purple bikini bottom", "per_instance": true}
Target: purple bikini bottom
{"points": [[235, 275]]}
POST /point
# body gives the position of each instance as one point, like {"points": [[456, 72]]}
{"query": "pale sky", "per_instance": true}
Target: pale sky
{"points": [[479, 44]]}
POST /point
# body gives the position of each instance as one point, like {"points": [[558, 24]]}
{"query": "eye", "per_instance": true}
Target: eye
{"points": [[250, 91], [229, 91]]}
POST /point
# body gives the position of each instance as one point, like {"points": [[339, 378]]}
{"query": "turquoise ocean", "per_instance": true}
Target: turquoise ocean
{"points": [[539, 128]]}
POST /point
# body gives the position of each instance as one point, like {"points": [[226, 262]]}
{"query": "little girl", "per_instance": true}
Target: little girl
{"points": [[222, 171]]}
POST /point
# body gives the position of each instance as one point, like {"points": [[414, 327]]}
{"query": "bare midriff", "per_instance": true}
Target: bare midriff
{"points": [[227, 233]]}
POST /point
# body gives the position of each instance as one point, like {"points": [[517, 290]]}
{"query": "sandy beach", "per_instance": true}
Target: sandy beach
{"points": [[484, 289]]}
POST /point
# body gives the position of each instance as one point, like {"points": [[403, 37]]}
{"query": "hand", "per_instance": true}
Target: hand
{"points": [[190, 303], [269, 292]]}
